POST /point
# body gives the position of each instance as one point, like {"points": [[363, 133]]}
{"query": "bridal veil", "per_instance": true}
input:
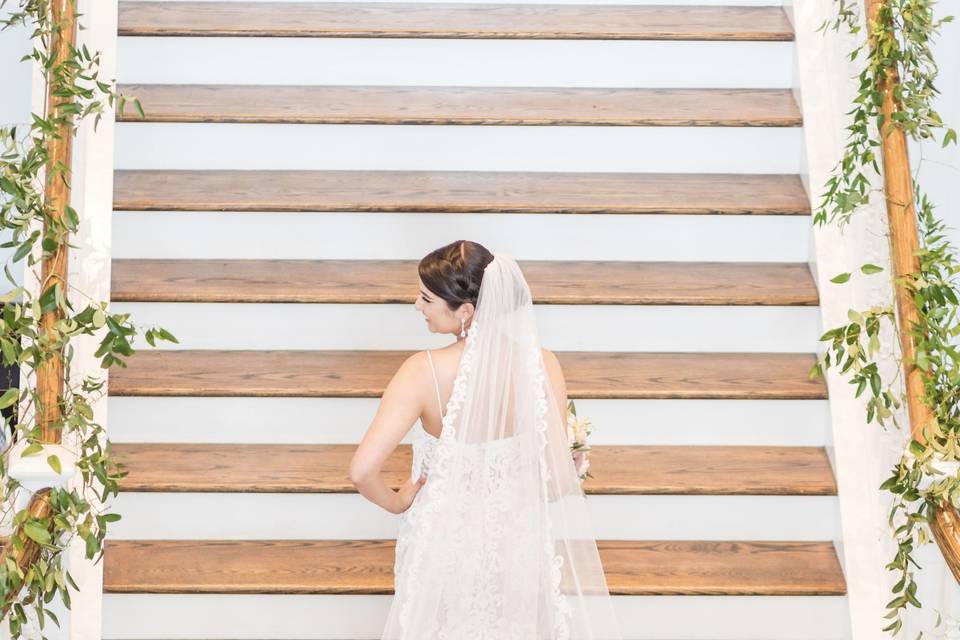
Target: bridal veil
{"points": [[505, 549]]}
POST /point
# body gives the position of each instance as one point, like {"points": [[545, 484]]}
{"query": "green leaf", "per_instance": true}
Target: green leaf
{"points": [[71, 582], [33, 449], [888, 483], [9, 397], [36, 532], [840, 279], [22, 250], [870, 269], [11, 295], [9, 354], [54, 463], [950, 136]]}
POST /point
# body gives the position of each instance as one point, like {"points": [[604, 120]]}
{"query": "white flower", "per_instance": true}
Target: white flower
{"points": [[579, 430]]}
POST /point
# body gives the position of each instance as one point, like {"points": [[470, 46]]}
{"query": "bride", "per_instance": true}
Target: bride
{"points": [[494, 538]]}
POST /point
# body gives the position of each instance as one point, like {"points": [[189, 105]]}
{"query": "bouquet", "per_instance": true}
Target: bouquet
{"points": [[577, 432]]}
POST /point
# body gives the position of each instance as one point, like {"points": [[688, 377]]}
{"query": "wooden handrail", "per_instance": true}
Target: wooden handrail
{"points": [[21, 548], [904, 241], [54, 269]]}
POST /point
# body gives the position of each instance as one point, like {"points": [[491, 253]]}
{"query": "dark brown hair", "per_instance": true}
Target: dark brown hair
{"points": [[454, 271]]}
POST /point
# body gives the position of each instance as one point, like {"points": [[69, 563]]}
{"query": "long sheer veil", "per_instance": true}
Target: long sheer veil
{"points": [[508, 551]]}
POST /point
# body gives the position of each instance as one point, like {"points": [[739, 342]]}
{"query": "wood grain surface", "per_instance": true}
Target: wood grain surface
{"points": [[620, 106], [627, 470], [573, 282], [461, 192], [364, 374], [453, 20], [652, 567]]}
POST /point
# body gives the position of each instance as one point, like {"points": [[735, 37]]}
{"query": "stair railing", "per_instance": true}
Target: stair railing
{"points": [[904, 242], [50, 373], [88, 188]]}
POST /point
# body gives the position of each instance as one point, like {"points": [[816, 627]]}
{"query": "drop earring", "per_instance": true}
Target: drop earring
{"points": [[463, 333]]}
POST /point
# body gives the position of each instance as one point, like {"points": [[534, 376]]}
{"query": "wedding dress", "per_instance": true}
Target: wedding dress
{"points": [[497, 544]]}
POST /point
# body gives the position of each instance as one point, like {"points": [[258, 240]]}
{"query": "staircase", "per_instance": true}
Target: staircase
{"points": [[296, 160]]}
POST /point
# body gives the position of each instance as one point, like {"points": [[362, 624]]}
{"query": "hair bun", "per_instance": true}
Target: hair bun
{"points": [[454, 271]]}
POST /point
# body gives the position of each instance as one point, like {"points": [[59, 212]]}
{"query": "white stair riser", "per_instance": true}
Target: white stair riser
{"points": [[144, 145], [409, 236], [401, 61], [344, 420], [206, 516], [361, 617], [746, 3], [401, 326]]}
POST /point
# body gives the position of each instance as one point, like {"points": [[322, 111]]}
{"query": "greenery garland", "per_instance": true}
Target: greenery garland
{"points": [[24, 212], [926, 473]]}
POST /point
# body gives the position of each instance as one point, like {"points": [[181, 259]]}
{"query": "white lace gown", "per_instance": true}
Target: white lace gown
{"points": [[424, 446], [472, 606]]}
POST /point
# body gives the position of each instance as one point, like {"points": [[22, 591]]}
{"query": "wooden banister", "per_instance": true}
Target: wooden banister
{"points": [[904, 241], [50, 374], [54, 269], [23, 550]]}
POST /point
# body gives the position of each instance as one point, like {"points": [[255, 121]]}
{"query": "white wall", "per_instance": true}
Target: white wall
{"points": [[940, 168], [14, 103]]}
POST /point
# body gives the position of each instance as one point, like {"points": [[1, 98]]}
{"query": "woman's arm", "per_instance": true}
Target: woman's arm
{"points": [[558, 384], [400, 406], [563, 483]]}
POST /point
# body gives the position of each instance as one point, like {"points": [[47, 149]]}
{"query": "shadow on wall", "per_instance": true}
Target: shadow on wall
{"points": [[9, 378]]}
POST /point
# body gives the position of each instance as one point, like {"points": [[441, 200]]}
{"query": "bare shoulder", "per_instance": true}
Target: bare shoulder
{"points": [[410, 372], [414, 362]]}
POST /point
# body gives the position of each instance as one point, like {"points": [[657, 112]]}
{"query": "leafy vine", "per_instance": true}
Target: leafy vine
{"points": [[38, 233], [898, 47]]}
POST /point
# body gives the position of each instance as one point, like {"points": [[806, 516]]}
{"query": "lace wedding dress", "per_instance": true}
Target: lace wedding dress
{"points": [[497, 544]]}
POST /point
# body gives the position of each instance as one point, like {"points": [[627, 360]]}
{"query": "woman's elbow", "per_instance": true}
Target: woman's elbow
{"points": [[360, 472]]}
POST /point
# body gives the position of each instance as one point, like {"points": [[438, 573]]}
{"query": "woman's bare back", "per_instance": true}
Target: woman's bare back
{"points": [[446, 360]]}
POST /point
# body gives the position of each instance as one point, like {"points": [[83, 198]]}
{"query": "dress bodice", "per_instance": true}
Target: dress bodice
{"points": [[424, 446]]}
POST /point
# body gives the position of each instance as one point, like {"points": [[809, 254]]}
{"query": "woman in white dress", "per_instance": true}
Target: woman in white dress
{"points": [[494, 539]]}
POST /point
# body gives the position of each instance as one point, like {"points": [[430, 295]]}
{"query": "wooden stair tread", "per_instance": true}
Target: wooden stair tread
{"points": [[460, 192], [654, 567], [395, 281], [322, 468], [452, 20], [462, 105], [340, 373]]}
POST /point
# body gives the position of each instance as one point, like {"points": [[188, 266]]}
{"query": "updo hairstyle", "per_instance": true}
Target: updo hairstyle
{"points": [[454, 271]]}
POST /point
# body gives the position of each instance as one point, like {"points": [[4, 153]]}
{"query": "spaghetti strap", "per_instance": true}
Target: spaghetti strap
{"points": [[436, 384]]}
